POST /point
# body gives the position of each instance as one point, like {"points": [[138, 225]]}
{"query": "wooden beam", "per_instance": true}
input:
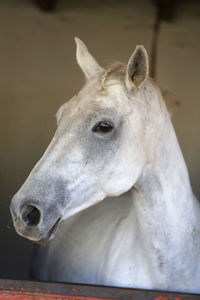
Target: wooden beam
{"points": [[21, 290]]}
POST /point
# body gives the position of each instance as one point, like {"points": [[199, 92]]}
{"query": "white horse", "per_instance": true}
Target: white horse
{"points": [[114, 142]]}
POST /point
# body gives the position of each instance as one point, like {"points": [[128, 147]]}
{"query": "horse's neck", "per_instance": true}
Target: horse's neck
{"points": [[167, 213], [165, 179]]}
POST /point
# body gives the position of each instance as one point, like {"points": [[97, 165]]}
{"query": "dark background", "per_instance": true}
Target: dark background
{"points": [[38, 72]]}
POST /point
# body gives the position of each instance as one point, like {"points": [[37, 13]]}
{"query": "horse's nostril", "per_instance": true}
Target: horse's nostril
{"points": [[31, 215]]}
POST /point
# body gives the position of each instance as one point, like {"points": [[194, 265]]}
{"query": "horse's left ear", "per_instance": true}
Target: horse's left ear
{"points": [[138, 68]]}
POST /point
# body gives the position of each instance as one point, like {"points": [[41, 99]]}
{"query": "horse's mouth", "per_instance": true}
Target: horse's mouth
{"points": [[34, 234], [51, 233]]}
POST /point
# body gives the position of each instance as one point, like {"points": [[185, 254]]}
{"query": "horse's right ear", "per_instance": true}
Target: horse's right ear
{"points": [[86, 61], [137, 69]]}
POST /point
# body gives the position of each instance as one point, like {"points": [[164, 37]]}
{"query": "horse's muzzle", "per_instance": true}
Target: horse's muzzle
{"points": [[29, 224]]}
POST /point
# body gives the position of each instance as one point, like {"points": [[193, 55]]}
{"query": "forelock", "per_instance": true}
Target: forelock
{"points": [[116, 71]]}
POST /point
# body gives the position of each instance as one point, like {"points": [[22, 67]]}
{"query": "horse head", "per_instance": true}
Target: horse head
{"points": [[98, 150]]}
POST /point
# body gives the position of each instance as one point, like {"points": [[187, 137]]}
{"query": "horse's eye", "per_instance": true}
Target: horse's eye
{"points": [[103, 127]]}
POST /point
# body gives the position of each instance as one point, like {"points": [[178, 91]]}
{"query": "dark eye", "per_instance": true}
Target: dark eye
{"points": [[103, 127]]}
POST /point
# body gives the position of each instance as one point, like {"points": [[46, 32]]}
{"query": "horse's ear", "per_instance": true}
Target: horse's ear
{"points": [[137, 69], [86, 61]]}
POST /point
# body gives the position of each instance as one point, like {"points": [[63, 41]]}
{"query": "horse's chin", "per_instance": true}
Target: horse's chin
{"points": [[50, 234]]}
